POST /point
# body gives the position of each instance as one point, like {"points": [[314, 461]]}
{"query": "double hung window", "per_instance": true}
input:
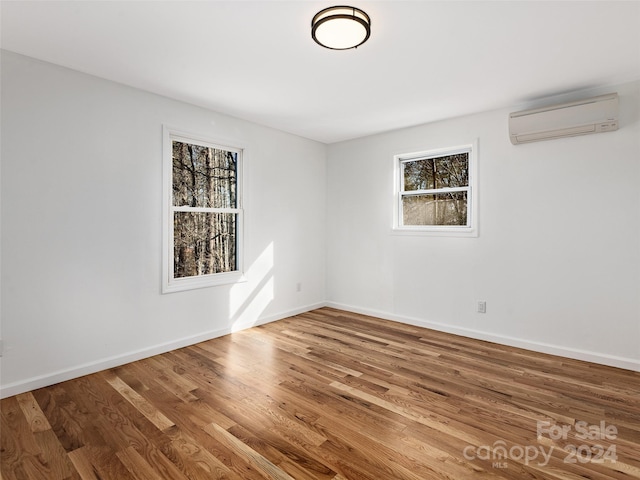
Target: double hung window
{"points": [[435, 191], [203, 217]]}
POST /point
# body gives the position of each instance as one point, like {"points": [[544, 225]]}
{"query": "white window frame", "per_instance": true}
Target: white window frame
{"points": [[169, 282], [469, 230]]}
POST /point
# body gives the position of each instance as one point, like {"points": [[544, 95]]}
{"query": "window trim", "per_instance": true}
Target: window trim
{"points": [[171, 284], [469, 230]]}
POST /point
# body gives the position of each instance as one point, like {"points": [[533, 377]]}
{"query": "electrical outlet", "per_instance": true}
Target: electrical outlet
{"points": [[482, 307], [299, 287]]}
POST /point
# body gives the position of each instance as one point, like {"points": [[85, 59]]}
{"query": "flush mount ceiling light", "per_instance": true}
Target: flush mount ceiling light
{"points": [[341, 27]]}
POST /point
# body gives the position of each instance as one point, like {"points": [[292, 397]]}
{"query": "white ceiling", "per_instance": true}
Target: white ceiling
{"points": [[425, 60]]}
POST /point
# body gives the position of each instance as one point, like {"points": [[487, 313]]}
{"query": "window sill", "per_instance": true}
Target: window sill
{"points": [[436, 232], [205, 281]]}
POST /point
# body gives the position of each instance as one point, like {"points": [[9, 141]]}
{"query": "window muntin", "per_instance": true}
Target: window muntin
{"points": [[435, 191], [204, 218]]}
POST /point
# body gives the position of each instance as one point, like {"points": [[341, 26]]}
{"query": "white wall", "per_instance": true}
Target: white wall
{"points": [[558, 255], [81, 223]]}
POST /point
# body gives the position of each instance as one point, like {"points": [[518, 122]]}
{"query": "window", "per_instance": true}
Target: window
{"points": [[435, 192], [203, 214]]}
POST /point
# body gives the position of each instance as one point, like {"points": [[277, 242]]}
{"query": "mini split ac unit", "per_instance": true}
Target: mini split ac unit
{"points": [[592, 115]]}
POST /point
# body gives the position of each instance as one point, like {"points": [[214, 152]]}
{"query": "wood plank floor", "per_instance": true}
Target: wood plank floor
{"points": [[331, 395]]}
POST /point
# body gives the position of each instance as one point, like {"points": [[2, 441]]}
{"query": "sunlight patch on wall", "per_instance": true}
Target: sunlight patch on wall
{"points": [[249, 300]]}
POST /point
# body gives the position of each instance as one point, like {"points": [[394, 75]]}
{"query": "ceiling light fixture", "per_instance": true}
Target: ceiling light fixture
{"points": [[340, 27]]}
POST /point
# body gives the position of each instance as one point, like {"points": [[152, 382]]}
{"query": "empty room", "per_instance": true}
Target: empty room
{"points": [[387, 240]]}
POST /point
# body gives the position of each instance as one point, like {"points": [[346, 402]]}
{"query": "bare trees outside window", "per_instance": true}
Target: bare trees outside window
{"points": [[204, 209], [436, 190]]}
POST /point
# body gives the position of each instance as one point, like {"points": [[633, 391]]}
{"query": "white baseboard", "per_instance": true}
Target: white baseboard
{"points": [[52, 378], [279, 316], [115, 361], [562, 351]]}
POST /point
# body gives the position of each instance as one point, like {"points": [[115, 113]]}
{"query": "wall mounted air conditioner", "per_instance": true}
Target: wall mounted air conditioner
{"points": [[591, 115]]}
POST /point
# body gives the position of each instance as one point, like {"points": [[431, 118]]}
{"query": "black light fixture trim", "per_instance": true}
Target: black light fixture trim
{"points": [[321, 17]]}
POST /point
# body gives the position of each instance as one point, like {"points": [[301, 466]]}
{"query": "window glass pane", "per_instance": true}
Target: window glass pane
{"points": [[204, 176], [204, 243], [440, 172], [439, 209]]}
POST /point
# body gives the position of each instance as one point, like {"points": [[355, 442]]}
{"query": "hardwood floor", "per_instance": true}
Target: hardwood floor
{"points": [[331, 395]]}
